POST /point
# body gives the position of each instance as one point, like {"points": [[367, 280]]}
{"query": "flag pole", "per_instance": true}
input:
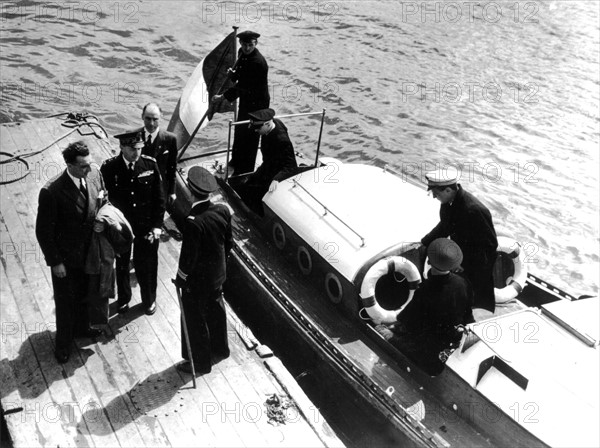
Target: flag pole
{"points": [[228, 150], [187, 144], [319, 142]]}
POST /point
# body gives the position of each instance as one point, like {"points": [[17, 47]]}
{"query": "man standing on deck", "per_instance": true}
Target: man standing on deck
{"points": [[135, 187], [468, 223], [202, 271], [252, 89], [162, 147], [278, 159], [67, 207]]}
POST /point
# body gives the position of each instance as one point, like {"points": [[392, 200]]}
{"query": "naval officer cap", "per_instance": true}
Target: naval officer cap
{"points": [[201, 181], [261, 116], [247, 36], [444, 254], [131, 138], [443, 177]]}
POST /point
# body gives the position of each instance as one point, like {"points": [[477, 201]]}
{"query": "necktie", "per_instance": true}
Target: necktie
{"points": [[148, 141], [82, 188], [131, 167]]}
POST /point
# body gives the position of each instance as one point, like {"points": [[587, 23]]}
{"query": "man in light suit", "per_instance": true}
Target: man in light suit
{"points": [[67, 207], [162, 146]]}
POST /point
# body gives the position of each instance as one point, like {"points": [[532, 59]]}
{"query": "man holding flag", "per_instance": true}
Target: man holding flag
{"points": [[251, 87]]}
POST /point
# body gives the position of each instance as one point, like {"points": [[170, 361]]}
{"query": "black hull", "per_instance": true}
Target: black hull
{"points": [[456, 414]]}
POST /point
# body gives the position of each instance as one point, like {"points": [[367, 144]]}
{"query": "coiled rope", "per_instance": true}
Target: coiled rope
{"points": [[76, 121]]}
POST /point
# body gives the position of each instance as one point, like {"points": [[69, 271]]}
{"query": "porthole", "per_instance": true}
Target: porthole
{"points": [[333, 287], [304, 260], [278, 236]]}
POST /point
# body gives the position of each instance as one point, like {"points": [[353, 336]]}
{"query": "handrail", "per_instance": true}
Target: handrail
{"points": [[236, 123], [296, 183]]}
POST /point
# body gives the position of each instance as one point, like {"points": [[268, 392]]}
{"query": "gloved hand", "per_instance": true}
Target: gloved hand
{"points": [[179, 282], [384, 331]]}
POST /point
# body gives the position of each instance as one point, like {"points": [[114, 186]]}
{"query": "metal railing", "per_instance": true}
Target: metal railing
{"points": [[328, 210]]}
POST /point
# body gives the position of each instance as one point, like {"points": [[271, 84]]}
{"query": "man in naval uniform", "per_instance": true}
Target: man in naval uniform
{"points": [[135, 187], [67, 207], [278, 158], [468, 223], [162, 146], [252, 89], [202, 271], [426, 330]]}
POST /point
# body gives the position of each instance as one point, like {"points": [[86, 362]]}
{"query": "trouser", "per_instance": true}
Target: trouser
{"points": [[245, 146], [145, 262], [252, 193], [71, 310], [207, 327], [480, 273]]}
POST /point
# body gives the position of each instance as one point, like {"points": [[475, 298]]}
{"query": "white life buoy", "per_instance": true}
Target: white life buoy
{"points": [[516, 283], [378, 270]]}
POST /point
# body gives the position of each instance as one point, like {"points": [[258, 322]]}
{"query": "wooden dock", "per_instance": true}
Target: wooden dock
{"points": [[121, 389]]}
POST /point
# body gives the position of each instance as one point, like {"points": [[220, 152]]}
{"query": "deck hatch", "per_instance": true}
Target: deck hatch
{"points": [[155, 397]]}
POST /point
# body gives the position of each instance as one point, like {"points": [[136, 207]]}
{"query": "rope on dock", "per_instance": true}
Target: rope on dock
{"points": [[75, 121]]}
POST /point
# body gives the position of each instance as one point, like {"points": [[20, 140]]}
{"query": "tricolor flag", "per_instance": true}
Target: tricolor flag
{"points": [[194, 110]]}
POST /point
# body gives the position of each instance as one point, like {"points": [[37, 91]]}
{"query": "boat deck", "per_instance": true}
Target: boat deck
{"points": [[122, 389]]}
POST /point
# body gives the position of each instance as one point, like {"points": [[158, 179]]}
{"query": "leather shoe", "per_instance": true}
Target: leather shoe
{"points": [[123, 308], [61, 356], [186, 367], [91, 333], [151, 309]]}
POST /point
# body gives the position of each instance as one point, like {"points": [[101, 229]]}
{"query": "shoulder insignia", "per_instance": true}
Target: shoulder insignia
{"points": [[110, 159], [145, 156]]}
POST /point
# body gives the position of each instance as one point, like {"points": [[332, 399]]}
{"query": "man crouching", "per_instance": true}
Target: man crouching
{"points": [[426, 330]]}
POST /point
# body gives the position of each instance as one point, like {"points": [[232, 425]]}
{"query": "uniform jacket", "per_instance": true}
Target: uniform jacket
{"points": [[469, 224], [139, 196], [164, 150], [251, 87], [440, 304], [65, 218], [206, 243], [279, 160]]}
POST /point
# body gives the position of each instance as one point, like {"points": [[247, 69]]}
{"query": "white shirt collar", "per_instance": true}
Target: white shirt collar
{"points": [[127, 162], [76, 179], [200, 202], [154, 134]]}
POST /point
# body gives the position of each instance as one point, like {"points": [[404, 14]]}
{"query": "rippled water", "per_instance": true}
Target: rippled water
{"points": [[507, 90]]}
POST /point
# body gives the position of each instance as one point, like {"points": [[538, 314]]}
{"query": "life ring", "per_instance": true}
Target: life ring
{"points": [[375, 272], [516, 283]]}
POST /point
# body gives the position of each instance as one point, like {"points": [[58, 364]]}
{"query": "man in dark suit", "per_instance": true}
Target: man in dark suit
{"points": [[135, 187], [252, 89], [202, 272], [468, 223], [67, 207], [162, 146], [278, 159]]}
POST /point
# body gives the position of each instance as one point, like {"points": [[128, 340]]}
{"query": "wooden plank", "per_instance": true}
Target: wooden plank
{"points": [[107, 430], [79, 382], [40, 380], [24, 432], [150, 435], [25, 296], [99, 382]]}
